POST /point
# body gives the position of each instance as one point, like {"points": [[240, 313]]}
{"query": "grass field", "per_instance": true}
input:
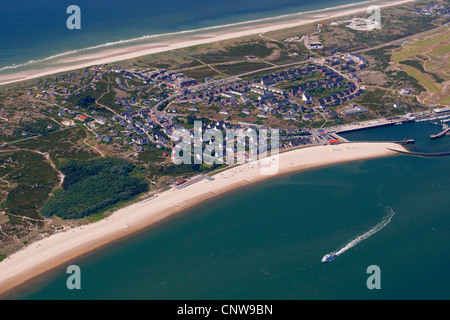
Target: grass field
{"points": [[31, 181], [423, 79], [426, 60]]}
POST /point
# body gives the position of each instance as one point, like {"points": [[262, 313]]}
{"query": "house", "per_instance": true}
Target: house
{"points": [[306, 97], [172, 109], [308, 117], [290, 117], [275, 90], [265, 96], [226, 95], [237, 92], [138, 148], [257, 91], [267, 81], [224, 111], [441, 110], [246, 111], [262, 115], [245, 99], [140, 141], [355, 110], [101, 120], [185, 82], [406, 91]]}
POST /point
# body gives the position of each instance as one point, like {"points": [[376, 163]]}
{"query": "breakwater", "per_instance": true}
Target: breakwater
{"points": [[423, 154]]}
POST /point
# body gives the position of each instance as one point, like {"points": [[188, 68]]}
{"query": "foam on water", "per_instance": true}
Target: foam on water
{"points": [[383, 223]]}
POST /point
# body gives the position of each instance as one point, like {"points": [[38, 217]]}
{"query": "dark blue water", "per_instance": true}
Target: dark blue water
{"points": [[33, 30]]}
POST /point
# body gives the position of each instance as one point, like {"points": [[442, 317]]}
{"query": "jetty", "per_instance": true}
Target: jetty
{"points": [[423, 154], [442, 133], [365, 125], [406, 141]]}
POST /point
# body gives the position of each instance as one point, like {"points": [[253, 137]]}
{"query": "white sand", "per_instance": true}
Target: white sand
{"points": [[58, 249]]}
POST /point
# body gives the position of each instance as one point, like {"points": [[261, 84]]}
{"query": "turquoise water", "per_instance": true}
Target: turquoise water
{"points": [[266, 241], [34, 32]]}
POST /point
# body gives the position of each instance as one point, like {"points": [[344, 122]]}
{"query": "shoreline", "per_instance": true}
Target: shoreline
{"points": [[51, 252], [213, 34]]}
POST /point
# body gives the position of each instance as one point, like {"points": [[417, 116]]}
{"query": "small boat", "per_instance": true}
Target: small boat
{"points": [[328, 257]]}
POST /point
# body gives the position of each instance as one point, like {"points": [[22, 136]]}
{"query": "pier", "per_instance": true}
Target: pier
{"points": [[442, 133], [370, 124], [406, 141], [403, 142], [423, 154]]}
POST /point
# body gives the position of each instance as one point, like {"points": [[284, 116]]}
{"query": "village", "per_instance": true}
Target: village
{"points": [[301, 94], [155, 104]]}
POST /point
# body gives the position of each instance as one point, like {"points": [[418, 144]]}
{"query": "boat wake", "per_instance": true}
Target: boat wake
{"points": [[383, 223]]}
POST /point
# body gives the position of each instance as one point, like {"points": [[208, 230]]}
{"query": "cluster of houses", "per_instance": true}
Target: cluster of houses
{"points": [[134, 126], [66, 85], [293, 103], [232, 144], [174, 79], [351, 62], [433, 9], [341, 97]]}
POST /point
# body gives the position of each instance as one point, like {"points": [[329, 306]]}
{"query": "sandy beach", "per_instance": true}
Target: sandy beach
{"points": [[62, 247], [209, 35]]}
